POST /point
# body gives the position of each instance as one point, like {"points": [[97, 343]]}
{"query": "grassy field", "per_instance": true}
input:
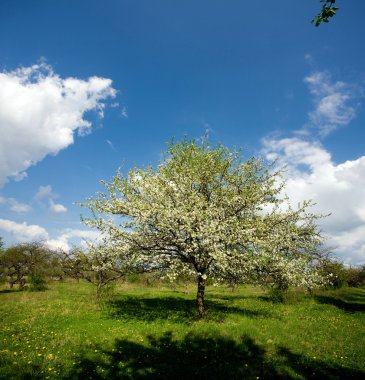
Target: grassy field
{"points": [[153, 333]]}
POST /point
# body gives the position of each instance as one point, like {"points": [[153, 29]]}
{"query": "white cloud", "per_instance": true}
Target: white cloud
{"points": [[112, 147], [23, 232], [73, 236], [308, 58], [338, 189], [44, 192], [56, 207], [332, 102], [39, 113], [18, 207], [15, 205], [124, 112]]}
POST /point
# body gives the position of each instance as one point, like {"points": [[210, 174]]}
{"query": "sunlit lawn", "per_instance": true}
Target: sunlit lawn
{"points": [[153, 333]]}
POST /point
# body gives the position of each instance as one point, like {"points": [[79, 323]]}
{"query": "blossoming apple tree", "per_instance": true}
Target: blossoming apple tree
{"points": [[206, 212]]}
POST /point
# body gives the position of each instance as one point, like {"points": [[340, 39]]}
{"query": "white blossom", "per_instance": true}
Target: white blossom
{"points": [[205, 212]]}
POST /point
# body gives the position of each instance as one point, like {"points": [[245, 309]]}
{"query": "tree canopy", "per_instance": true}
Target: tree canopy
{"points": [[206, 212], [28, 263]]}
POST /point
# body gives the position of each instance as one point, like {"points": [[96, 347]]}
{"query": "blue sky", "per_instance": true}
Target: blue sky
{"points": [[87, 85]]}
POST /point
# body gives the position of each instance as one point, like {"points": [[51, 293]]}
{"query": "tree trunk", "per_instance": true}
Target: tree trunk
{"points": [[186, 289], [200, 297], [99, 288]]}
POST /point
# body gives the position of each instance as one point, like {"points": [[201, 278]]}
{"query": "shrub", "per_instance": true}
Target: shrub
{"points": [[37, 282], [336, 272], [356, 276]]}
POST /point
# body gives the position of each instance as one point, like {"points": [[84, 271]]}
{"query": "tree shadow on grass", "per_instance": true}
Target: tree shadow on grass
{"points": [[233, 297], [315, 369], [9, 371], [346, 305], [199, 357], [174, 309], [4, 291]]}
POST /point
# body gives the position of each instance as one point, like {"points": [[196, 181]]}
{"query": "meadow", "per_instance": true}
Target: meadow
{"points": [[152, 332]]}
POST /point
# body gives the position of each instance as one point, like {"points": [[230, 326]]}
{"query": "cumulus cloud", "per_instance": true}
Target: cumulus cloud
{"points": [[23, 232], [332, 102], [73, 236], [40, 112], [44, 192], [338, 189], [18, 207], [15, 205], [56, 207]]}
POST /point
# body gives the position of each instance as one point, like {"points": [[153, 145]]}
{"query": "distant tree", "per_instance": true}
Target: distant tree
{"points": [[100, 264], [55, 270], [328, 10], [2, 274], [14, 266], [335, 271], [204, 212], [27, 263], [356, 276], [72, 263]]}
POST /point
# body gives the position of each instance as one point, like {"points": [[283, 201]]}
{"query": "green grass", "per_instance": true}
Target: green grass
{"points": [[153, 333]]}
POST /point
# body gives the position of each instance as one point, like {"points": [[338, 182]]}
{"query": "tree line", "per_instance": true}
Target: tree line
{"points": [[32, 265], [203, 213]]}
